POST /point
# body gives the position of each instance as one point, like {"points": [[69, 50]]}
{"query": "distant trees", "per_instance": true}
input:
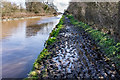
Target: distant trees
{"points": [[8, 8], [40, 7]]}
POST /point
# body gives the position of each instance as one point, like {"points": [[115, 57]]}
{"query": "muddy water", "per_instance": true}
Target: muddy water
{"points": [[22, 41]]}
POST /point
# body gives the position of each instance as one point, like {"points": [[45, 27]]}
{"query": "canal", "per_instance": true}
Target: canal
{"points": [[22, 42]]}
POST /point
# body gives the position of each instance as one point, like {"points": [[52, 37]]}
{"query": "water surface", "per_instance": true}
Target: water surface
{"points": [[22, 41]]}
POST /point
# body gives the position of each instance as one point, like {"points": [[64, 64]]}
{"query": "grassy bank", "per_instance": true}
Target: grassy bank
{"points": [[45, 54], [107, 44]]}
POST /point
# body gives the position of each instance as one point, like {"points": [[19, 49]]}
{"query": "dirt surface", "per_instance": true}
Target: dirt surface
{"points": [[75, 55]]}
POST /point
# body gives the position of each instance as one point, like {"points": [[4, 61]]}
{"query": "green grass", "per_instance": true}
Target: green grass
{"points": [[32, 78], [51, 40], [33, 73], [72, 20], [61, 21], [110, 47], [55, 32], [41, 56], [37, 64]]}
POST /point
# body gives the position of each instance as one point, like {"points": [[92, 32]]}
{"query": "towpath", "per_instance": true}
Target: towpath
{"points": [[75, 55]]}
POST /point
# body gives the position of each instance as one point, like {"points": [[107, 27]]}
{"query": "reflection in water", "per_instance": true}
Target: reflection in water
{"points": [[12, 26], [32, 30], [22, 41]]}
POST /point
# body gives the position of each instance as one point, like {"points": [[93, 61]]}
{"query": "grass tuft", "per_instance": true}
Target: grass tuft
{"points": [[50, 40], [33, 73]]}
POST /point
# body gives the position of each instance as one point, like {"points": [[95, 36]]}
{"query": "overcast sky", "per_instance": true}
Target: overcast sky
{"points": [[61, 4]]}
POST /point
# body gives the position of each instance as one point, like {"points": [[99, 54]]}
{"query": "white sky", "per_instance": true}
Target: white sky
{"points": [[61, 4]]}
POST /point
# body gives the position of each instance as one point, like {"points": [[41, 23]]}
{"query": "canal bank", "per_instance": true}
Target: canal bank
{"points": [[32, 17], [70, 52]]}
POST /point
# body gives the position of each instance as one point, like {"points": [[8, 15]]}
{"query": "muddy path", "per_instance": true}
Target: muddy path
{"points": [[75, 55]]}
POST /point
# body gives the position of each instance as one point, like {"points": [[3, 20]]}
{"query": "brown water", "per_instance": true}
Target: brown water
{"points": [[22, 41]]}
